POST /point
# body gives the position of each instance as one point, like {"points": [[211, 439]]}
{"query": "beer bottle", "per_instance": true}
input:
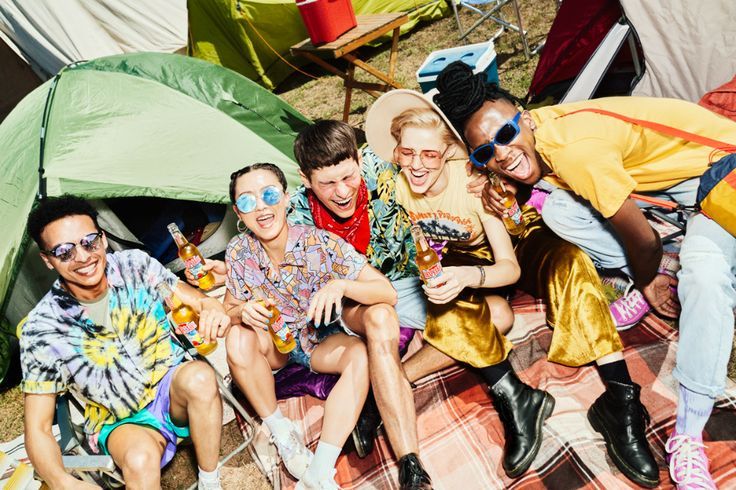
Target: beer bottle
{"points": [[281, 334], [428, 262], [185, 319], [193, 260], [512, 218]]}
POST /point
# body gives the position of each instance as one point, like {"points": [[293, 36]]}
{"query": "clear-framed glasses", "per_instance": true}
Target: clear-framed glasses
{"points": [[270, 195], [504, 136], [431, 159], [67, 251]]}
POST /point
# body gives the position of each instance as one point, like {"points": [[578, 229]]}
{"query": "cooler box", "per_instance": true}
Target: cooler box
{"points": [[481, 57], [326, 20]]}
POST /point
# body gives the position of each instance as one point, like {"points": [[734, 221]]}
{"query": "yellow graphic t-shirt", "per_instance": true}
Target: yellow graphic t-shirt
{"points": [[604, 159], [454, 215]]}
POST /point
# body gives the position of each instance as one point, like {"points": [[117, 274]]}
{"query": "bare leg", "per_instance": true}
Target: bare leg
{"points": [[426, 361], [196, 400], [609, 358], [501, 313], [346, 356], [137, 450], [251, 355], [379, 325]]}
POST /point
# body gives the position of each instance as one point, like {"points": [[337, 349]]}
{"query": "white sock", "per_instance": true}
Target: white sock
{"points": [[693, 411], [277, 424], [325, 459], [209, 476]]}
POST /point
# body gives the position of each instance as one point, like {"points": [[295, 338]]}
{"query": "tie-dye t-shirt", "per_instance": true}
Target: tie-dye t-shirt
{"points": [[114, 369], [313, 258]]}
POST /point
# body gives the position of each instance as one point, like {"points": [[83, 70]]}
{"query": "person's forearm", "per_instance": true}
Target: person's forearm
{"points": [[45, 456], [371, 292], [644, 260], [500, 274], [212, 304]]}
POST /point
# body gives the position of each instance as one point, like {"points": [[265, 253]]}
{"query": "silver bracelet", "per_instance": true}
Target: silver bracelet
{"points": [[482, 275]]}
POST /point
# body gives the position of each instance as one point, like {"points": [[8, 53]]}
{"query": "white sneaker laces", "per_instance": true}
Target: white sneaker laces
{"points": [[688, 465]]}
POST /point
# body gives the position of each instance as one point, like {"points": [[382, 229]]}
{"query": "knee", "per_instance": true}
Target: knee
{"points": [[382, 325], [502, 315], [242, 346], [199, 381], [141, 464], [356, 355]]}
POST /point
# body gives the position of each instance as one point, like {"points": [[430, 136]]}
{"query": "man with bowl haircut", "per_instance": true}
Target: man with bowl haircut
{"points": [[102, 333]]}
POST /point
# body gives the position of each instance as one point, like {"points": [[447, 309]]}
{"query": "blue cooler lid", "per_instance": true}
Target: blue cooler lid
{"points": [[440, 60]]}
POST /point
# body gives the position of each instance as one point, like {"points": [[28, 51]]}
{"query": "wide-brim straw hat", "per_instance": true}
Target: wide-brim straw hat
{"points": [[387, 107]]}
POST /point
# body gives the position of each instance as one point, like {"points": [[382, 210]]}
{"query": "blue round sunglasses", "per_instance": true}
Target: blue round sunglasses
{"points": [[505, 135], [270, 195]]}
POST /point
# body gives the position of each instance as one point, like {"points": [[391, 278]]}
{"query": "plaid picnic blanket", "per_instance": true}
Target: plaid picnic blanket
{"points": [[461, 437]]}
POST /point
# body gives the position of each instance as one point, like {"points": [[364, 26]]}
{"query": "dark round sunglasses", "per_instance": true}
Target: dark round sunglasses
{"points": [[270, 195], [505, 135], [67, 251]]}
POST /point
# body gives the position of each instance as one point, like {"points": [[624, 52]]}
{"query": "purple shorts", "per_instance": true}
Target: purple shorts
{"points": [[155, 415]]}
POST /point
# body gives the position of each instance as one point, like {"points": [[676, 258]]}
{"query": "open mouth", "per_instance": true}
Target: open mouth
{"points": [[418, 178], [343, 204], [265, 220], [520, 168], [87, 270]]}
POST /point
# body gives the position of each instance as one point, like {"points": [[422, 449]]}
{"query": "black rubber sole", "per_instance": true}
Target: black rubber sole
{"points": [[631, 473], [548, 406]]}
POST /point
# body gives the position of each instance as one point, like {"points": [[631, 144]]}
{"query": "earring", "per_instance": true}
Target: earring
{"points": [[238, 226]]}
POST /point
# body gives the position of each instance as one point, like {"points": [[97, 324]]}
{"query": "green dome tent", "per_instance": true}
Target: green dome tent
{"points": [[145, 124]]}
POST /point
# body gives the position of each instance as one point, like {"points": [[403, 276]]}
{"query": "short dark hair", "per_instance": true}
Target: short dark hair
{"points": [[323, 144], [51, 209], [256, 166]]}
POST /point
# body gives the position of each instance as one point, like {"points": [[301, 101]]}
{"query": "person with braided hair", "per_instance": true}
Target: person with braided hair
{"points": [[596, 153], [466, 316]]}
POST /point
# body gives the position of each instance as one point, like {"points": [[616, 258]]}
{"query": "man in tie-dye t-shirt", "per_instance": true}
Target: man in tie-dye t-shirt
{"points": [[102, 333]]}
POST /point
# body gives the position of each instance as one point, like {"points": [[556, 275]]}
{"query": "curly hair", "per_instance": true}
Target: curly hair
{"points": [[55, 208], [462, 93]]}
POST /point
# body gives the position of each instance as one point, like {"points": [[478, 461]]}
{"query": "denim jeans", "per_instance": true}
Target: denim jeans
{"points": [[411, 306], [707, 280]]}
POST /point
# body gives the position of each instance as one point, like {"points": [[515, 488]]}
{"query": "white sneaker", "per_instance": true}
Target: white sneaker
{"points": [[208, 485], [306, 483], [293, 452]]}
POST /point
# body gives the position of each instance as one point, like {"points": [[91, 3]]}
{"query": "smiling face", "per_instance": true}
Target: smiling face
{"points": [[336, 186], [518, 160], [422, 155], [84, 274], [266, 222]]}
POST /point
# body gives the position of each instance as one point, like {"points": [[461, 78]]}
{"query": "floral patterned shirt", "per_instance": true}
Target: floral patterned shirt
{"points": [[113, 368], [391, 249], [313, 258]]}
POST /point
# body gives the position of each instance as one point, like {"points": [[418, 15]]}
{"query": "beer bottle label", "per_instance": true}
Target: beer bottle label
{"points": [[189, 329], [432, 272], [282, 331], [195, 266], [514, 213]]}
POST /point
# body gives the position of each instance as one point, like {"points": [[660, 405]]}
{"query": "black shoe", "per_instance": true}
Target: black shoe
{"points": [[522, 410], [622, 420], [412, 475], [366, 429]]}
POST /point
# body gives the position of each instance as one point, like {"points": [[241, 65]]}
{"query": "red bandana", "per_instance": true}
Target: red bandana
{"points": [[356, 230]]}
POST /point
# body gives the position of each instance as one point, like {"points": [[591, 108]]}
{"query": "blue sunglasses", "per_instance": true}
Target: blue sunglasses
{"points": [[505, 135], [270, 195]]}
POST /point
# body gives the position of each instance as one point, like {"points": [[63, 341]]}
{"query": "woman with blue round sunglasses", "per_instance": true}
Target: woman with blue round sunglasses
{"points": [[306, 273]]}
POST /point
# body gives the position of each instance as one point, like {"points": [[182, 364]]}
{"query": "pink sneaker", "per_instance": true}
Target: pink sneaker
{"points": [[688, 463], [629, 308]]}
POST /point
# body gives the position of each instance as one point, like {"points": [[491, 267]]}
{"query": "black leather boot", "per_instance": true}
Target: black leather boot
{"points": [[412, 475], [622, 420], [522, 410], [366, 429]]}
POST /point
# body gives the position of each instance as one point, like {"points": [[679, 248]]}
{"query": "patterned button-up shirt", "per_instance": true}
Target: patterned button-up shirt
{"points": [[313, 258], [114, 369], [391, 249]]}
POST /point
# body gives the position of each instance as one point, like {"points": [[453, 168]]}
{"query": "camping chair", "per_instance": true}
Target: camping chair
{"points": [[493, 14]]}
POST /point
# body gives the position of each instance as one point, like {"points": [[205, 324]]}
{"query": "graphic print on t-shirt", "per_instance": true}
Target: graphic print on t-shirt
{"points": [[439, 225]]}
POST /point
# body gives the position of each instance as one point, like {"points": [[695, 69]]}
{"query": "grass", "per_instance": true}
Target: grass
{"points": [[322, 99]]}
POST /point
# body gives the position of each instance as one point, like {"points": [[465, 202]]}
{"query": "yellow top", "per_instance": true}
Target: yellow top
{"points": [[454, 215], [604, 159]]}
